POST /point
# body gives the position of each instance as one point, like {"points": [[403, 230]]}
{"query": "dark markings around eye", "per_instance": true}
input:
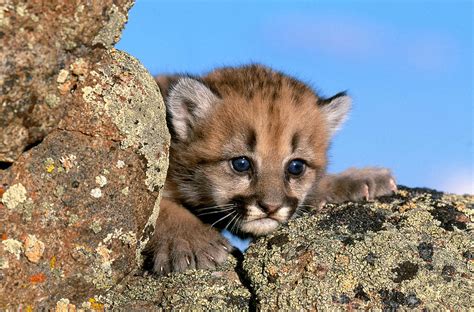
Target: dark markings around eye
{"points": [[294, 142], [251, 140]]}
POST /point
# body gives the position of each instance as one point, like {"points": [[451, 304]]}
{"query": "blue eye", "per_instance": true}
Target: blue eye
{"points": [[240, 164], [296, 167]]}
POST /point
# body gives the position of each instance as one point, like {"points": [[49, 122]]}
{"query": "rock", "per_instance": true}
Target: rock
{"points": [[12, 246], [43, 45], [14, 196], [192, 290], [84, 126], [93, 241], [34, 248], [394, 253], [77, 208], [63, 305], [406, 251]]}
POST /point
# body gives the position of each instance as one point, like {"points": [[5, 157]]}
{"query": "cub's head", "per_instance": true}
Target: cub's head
{"points": [[248, 145]]}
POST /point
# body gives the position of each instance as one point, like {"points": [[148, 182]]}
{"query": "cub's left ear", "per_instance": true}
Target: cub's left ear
{"points": [[189, 101], [336, 109]]}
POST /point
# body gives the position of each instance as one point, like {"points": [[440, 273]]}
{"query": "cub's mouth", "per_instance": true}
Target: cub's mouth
{"points": [[244, 217], [260, 226], [259, 219]]}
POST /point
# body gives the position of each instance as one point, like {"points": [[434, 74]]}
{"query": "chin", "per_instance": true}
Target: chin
{"points": [[260, 227]]}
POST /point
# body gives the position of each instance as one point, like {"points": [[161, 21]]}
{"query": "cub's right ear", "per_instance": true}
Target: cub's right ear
{"points": [[165, 82], [188, 101]]}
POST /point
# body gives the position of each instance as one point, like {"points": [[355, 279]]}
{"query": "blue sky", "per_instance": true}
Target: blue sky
{"points": [[407, 64]]}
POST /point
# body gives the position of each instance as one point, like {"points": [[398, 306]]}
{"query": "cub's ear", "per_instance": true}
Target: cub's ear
{"points": [[165, 82], [336, 109], [188, 101]]}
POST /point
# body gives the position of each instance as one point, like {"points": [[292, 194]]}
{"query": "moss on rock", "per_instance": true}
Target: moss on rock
{"points": [[369, 255]]}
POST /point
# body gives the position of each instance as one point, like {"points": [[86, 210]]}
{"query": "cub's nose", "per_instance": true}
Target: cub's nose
{"points": [[268, 207]]}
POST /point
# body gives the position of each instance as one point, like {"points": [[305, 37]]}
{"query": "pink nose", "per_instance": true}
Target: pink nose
{"points": [[268, 208]]}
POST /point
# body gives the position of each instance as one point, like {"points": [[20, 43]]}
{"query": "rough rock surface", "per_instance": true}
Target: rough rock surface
{"points": [[413, 250], [77, 208], [84, 125], [88, 193], [39, 42], [219, 290], [410, 251]]}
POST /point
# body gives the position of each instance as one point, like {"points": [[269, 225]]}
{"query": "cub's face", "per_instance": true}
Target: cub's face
{"points": [[249, 144]]}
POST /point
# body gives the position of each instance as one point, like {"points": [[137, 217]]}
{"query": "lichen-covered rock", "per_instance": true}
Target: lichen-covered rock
{"points": [[219, 290], [86, 240], [413, 250], [42, 45], [77, 210]]}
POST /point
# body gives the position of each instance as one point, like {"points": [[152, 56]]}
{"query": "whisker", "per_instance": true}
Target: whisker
{"points": [[237, 224], [305, 208], [212, 207], [302, 210], [233, 225], [233, 218], [215, 211], [308, 206], [226, 216]]}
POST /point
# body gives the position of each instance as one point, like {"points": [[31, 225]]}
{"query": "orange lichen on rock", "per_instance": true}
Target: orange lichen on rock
{"points": [[38, 278]]}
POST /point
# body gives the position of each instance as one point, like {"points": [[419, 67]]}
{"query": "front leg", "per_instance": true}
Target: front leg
{"points": [[181, 241], [356, 185]]}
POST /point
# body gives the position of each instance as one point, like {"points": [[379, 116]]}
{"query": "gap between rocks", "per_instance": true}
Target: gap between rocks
{"points": [[245, 279]]}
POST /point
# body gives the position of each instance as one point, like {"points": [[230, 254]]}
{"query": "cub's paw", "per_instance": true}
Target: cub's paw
{"points": [[358, 184], [186, 244]]}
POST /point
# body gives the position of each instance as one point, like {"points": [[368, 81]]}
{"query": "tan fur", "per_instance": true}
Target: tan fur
{"points": [[249, 111], [273, 107]]}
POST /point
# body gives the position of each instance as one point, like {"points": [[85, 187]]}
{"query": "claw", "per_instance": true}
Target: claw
{"points": [[321, 204], [366, 192], [393, 185], [187, 260]]}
